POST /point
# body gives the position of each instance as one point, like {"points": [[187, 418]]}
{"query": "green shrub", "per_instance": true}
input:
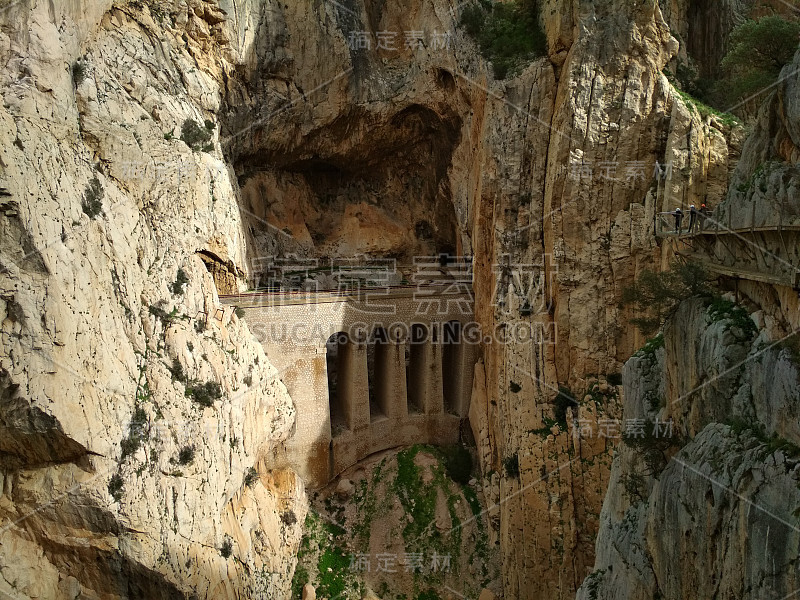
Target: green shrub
{"points": [[92, 203], [136, 433], [739, 424], [511, 465], [186, 455], [227, 547], [720, 309], [658, 295], [196, 137], [652, 345], [176, 287], [204, 393], [178, 374], [332, 566], [417, 499], [78, 72], [772, 443], [705, 110], [507, 33], [251, 477], [157, 310], [288, 518], [514, 387], [473, 18], [758, 50], [299, 580], [593, 583], [115, 486]]}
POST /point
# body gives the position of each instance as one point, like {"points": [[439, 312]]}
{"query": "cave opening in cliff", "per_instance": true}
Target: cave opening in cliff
{"points": [[364, 184]]}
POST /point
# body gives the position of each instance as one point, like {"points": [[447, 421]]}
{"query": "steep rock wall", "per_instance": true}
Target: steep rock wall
{"points": [[719, 519], [115, 482], [560, 231], [536, 171]]}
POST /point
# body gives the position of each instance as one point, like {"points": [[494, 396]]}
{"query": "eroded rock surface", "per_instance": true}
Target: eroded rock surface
{"points": [[718, 516], [117, 482], [304, 145]]}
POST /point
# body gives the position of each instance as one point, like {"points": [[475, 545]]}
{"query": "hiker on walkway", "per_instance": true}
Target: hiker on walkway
{"points": [[692, 218], [705, 213], [678, 214]]}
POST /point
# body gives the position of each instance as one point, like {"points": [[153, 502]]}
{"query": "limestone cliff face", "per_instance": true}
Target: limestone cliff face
{"points": [[343, 140], [308, 141], [764, 188], [718, 517], [560, 231], [726, 497], [116, 483]]}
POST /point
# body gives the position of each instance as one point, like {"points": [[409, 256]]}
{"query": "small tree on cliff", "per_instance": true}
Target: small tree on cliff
{"points": [[508, 33], [758, 50], [656, 296]]}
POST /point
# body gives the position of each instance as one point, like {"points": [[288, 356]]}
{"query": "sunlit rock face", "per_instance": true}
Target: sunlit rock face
{"points": [[123, 473], [718, 516], [121, 226]]}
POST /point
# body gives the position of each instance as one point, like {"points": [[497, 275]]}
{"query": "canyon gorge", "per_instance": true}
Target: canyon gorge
{"points": [[311, 299]]}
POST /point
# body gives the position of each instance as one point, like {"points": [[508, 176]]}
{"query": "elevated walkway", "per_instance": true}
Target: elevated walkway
{"points": [[707, 226], [267, 298], [707, 230], [786, 279]]}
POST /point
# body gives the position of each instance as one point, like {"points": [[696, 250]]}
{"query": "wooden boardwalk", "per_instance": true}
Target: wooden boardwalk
{"points": [[716, 228], [784, 279]]}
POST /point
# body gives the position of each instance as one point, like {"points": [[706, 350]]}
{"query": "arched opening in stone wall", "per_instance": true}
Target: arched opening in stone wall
{"points": [[378, 361], [336, 356], [415, 368], [224, 272], [451, 366]]}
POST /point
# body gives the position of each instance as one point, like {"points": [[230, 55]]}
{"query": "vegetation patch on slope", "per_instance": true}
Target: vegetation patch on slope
{"points": [[410, 526], [507, 33]]}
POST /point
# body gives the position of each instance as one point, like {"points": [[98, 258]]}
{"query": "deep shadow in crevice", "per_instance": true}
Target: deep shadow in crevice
{"points": [[373, 183]]}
